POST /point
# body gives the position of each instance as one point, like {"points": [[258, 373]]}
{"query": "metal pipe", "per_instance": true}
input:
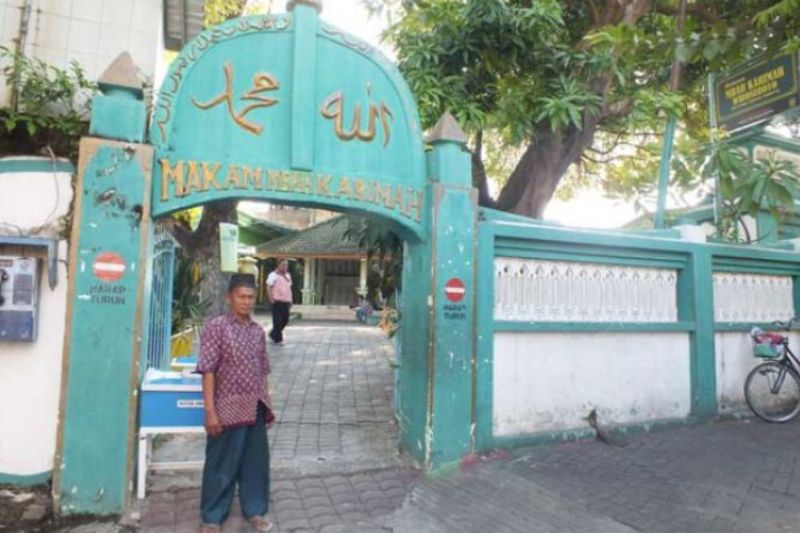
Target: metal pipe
{"points": [[669, 133], [712, 112]]}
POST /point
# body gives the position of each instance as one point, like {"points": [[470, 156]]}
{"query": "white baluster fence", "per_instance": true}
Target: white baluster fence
{"points": [[561, 291], [741, 297]]}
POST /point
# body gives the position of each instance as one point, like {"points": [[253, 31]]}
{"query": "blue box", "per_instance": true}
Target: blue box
{"points": [[171, 400]]}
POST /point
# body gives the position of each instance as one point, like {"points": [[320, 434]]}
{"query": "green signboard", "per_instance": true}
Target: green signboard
{"points": [[756, 91], [290, 109]]}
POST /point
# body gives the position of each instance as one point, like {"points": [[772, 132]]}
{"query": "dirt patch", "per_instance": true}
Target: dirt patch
{"points": [[30, 510]]}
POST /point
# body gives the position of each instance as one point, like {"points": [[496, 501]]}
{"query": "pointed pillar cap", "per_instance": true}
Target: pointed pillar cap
{"points": [[447, 130], [121, 74], [316, 4]]}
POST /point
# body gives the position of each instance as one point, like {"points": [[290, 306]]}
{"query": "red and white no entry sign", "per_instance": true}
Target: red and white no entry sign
{"points": [[108, 266], [454, 290]]}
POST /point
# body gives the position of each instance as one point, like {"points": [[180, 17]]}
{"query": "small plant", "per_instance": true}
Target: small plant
{"points": [[188, 309], [49, 108]]}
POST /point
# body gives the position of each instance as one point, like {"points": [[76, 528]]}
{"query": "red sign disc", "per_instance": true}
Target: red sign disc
{"points": [[108, 266], [454, 290]]}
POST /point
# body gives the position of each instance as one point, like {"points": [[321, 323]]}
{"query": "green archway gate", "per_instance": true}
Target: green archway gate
{"points": [[285, 109]]}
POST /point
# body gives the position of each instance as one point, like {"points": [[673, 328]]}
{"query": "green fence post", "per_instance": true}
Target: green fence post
{"points": [[696, 303], [454, 233], [108, 251]]}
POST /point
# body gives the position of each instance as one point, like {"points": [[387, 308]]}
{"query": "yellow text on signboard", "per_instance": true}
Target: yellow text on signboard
{"points": [[743, 91], [185, 178]]}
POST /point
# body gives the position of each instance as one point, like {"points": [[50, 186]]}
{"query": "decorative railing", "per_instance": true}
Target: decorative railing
{"points": [[560, 291], [740, 297]]}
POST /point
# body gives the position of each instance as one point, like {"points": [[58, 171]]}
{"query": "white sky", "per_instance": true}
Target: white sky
{"points": [[348, 15], [587, 209]]}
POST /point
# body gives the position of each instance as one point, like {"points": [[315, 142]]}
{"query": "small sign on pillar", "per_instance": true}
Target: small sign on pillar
{"points": [[228, 247]]}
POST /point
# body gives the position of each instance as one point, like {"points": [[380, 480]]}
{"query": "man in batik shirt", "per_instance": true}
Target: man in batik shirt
{"points": [[234, 364]]}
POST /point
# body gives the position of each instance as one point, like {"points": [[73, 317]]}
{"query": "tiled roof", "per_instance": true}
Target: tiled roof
{"points": [[326, 239]]}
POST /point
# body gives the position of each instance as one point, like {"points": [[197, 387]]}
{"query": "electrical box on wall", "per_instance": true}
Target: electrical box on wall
{"points": [[19, 298]]}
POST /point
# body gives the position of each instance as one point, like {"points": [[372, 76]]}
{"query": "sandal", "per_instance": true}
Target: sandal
{"points": [[210, 528], [260, 523]]}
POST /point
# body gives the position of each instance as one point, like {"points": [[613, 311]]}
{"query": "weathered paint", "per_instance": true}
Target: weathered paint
{"points": [[39, 478], [412, 374], [305, 63], [696, 302], [510, 236], [102, 344], [551, 381], [22, 165], [298, 142], [734, 360], [299, 145], [452, 350], [35, 193]]}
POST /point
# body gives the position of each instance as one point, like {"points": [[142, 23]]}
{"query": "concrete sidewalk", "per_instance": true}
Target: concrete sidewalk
{"points": [[334, 452], [336, 468], [737, 476], [733, 476]]}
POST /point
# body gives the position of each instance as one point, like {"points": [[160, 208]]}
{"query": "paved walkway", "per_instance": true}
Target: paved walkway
{"points": [[333, 448], [336, 469], [736, 476]]}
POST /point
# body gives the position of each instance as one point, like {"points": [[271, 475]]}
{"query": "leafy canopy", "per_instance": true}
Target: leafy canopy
{"points": [[531, 72]]}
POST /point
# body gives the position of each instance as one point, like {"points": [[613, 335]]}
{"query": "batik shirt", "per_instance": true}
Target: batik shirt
{"points": [[236, 353]]}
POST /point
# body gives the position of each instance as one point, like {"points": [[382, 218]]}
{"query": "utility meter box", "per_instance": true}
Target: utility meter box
{"points": [[19, 298]]}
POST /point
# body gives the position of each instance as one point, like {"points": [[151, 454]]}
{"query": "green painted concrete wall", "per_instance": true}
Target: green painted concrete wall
{"points": [[98, 413]]}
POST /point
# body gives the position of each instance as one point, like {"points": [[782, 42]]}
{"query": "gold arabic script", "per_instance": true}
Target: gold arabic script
{"points": [[333, 108], [262, 82]]}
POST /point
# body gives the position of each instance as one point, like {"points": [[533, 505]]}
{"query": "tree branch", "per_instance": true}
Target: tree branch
{"points": [[181, 231], [604, 161], [616, 144], [617, 109], [479, 178]]}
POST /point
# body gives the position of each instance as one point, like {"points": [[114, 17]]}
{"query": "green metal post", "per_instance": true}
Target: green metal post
{"points": [[663, 172], [712, 114], [669, 132]]}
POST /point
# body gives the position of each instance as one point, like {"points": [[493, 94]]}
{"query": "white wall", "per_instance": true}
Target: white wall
{"points": [[93, 32], [551, 381], [734, 360], [30, 373]]}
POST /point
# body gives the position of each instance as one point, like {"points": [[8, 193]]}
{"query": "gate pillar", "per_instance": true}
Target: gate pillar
{"points": [[453, 246], [102, 345]]}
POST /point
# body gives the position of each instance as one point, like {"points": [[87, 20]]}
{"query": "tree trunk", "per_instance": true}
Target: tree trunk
{"points": [[479, 178], [535, 178], [202, 246]]}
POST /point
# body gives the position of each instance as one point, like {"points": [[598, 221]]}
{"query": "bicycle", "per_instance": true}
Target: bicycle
{"points": [[772, 389]]}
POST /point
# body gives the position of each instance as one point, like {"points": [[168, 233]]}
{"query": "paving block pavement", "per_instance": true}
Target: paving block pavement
{"points": [[733, 476], [336, 468], [305, 504]]}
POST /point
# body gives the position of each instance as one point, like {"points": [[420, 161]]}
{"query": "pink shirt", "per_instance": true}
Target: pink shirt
{"points": [[281, 285], [236, 353]]}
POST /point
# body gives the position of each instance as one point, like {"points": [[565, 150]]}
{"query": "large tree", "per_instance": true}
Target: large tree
{"points": [[201, 243], [562, 85]]}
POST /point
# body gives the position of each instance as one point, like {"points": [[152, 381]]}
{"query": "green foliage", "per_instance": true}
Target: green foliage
{"points": [[544, 72], [746, 187], [188, 309], [218, 11], [384, 248], [52, 109], [749, 187]]}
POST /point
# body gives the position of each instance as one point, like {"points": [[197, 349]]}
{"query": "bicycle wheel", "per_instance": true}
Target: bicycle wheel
{"points": [[772, 391]]}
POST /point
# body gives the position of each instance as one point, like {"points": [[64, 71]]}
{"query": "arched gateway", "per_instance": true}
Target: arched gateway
{"points": [[286, 109]]}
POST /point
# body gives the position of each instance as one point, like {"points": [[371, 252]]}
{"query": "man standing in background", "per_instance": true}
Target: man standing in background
{"points": [[279, 292]]}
